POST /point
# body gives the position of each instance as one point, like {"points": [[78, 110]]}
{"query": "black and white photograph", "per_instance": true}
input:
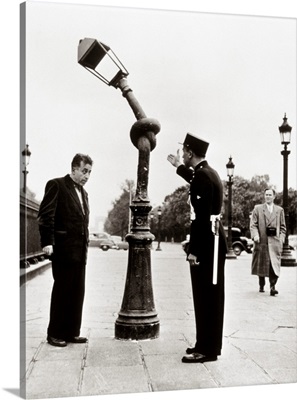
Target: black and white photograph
{"points": [[156, 202]]}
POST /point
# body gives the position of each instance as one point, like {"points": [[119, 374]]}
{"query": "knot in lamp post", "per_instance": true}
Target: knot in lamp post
{"points": [[159, 228], [285, 129], [26, 153], [230, 173], [137, 318]]}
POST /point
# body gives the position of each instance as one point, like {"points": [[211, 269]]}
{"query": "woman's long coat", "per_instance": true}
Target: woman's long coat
{"points": [[270, 247]]}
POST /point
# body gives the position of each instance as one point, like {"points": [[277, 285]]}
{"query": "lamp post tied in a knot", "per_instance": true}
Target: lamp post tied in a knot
{"points": [[137, 318]]}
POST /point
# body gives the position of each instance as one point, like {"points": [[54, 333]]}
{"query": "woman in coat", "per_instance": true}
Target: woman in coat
{"points": [[268, 231]]}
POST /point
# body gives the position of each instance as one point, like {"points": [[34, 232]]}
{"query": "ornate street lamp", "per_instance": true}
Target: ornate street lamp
{"points": [[26, 153], [159, 228], [287, 259], [137, 318], [230, 173]]}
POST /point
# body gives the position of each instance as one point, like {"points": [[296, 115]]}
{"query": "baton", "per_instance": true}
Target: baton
{"points": [[215, 229]]}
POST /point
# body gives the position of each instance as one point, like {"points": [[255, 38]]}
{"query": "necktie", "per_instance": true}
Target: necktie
{"points": [[77, 186]]}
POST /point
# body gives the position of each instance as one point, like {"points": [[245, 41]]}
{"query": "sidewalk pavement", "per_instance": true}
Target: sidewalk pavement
{"points": [[259, 343]]}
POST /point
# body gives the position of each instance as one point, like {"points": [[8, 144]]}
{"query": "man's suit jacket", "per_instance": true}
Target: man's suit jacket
{"points": [[62, 221]]}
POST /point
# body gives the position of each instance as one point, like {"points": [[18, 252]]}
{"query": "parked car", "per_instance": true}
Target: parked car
{"points": [[102, 240], [239, 243], [120, 244]]}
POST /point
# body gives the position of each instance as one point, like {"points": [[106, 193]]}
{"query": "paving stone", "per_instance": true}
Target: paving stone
{"points": [[259, 342]]}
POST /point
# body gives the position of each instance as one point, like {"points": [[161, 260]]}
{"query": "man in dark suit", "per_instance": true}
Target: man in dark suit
{"points": [[207, 274], [63, 224]]}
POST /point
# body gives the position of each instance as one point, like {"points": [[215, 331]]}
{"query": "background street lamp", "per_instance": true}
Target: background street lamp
{"points": [[230, 172], [159, 228], [137, 318], [285, 129], [26, 153]]}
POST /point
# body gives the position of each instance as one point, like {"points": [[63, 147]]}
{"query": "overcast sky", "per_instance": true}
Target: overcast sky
{"points": [[226, 78]]}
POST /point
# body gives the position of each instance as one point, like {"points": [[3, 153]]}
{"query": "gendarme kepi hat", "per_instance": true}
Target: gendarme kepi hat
{"points": [[198, 145]]}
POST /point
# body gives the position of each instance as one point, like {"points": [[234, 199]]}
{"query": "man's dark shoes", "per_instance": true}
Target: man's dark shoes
{"points": [[77, 339], [56, 342], [261, 290], [198, 358], [273, 292]]}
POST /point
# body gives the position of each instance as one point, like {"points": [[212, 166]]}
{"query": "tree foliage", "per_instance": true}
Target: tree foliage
{"points": [[175, 221], [117, 222], [292, 209], [175, 215], [245, 195]]}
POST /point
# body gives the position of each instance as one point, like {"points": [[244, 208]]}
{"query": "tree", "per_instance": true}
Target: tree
{"points": [[176, 215], [292, 209], [118, 219], [245, 195]]}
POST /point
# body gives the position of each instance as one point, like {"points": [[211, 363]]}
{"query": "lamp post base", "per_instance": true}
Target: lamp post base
{"points": [[231, 255], [287, 260], [137, 319], [132, 329]]}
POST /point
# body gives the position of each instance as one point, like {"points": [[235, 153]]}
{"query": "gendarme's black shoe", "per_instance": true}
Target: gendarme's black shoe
{"points": [[191, 350], [198, 358], [56, 342], [261, 290], [77, 339], [273, 292]]}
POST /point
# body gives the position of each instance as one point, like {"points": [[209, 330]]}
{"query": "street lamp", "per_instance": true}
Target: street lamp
{"points": [[159, 228], [230, 173], [287, 259], [137, 318], [26, 153]]}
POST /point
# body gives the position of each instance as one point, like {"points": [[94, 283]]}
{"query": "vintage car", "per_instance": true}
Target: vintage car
{"points": [[120, 244], [102, 240], [240, 243]]}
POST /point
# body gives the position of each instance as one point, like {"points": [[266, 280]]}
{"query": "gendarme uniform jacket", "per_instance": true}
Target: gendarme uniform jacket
{"points": [[206, 195]]}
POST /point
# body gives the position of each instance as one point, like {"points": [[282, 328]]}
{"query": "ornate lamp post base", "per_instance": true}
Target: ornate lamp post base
{"points": [[134, 329], [231, 255], [137, 319], [287, 259]]}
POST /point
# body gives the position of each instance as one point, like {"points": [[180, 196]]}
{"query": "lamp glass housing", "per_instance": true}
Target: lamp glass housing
{"points": [[91, 53], [26, 153], [285, 131], [230, 168], [285, 137]]}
